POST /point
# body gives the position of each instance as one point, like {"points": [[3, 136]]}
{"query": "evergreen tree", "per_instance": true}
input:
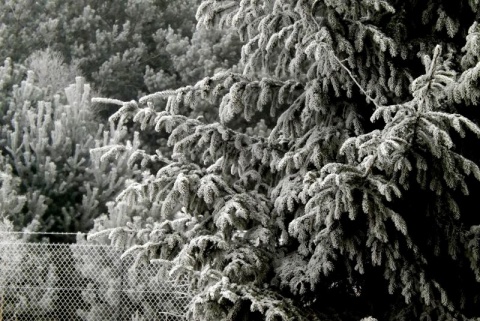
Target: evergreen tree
{"points": [[45, 141], [357, 202]]}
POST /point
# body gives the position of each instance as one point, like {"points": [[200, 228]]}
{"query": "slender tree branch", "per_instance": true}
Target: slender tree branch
{"points": [[355, 81]]}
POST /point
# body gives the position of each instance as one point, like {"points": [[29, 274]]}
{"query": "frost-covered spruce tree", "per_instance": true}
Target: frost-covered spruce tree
{"points": [[358, 201]]}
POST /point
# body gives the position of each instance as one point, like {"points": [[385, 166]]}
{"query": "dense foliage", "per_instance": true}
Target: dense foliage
{"points": [[353, 198], [122, 47]]}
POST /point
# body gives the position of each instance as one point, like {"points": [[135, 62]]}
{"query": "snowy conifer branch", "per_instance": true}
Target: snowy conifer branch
{"points": [[107, 101]]}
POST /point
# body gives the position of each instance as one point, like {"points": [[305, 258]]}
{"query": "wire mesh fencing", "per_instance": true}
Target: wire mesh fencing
{"points": [[80, 281]]}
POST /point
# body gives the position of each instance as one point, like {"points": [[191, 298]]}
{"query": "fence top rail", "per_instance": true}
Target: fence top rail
{"points": [[42, 233], [76, 245], [42, 238]]}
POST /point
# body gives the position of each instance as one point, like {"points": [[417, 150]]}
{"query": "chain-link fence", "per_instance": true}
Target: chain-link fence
{"points": [[53, 282]]}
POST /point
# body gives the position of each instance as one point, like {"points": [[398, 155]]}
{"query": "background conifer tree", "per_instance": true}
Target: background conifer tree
{"points": [[45, 140], [123, 48], [353, 199]]}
